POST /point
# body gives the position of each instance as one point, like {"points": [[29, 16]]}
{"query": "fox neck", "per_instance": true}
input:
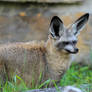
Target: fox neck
{"points": [[57, 61], [52, 50]]}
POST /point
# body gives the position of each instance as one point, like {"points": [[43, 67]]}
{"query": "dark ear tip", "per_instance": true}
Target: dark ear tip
{"points": [[86, 15], [54, 18]]}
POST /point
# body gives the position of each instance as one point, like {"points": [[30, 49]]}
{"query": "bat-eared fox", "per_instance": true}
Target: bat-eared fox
{"points": [[49, 59]]}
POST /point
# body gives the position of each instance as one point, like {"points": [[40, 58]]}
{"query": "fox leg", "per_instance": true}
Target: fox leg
{"points": [[2, 76]]}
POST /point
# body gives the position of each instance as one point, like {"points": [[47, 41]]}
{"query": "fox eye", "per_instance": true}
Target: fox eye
{"points": [[74, 42], [65, 43]]}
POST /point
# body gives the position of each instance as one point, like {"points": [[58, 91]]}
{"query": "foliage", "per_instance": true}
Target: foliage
{"points": [[80, 76]]}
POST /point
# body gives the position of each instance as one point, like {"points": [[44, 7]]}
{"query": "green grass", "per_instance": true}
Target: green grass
{"points": [[77, 75], [80, 76]]}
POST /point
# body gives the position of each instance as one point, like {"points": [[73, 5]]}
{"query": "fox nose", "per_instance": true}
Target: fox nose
{"points": [[76, 50]]}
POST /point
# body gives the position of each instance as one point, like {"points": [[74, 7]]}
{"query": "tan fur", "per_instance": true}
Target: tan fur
{"points": [[58, 62], [29, 60]]}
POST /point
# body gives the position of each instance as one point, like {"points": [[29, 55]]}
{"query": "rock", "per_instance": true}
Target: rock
{"points": [[60, 89], [46, 1]]}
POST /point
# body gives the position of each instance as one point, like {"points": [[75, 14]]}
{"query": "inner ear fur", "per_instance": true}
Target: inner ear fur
{"points": [[56, 26]]}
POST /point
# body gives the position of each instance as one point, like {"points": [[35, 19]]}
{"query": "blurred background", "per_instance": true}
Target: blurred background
{"points": [[25, 20]]}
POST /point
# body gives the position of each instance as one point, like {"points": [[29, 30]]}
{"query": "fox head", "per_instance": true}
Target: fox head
{"points": [[65, 38]]}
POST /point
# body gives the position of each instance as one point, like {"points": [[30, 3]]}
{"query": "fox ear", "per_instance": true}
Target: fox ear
{"points": [[56, 27], [79, 24]]}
